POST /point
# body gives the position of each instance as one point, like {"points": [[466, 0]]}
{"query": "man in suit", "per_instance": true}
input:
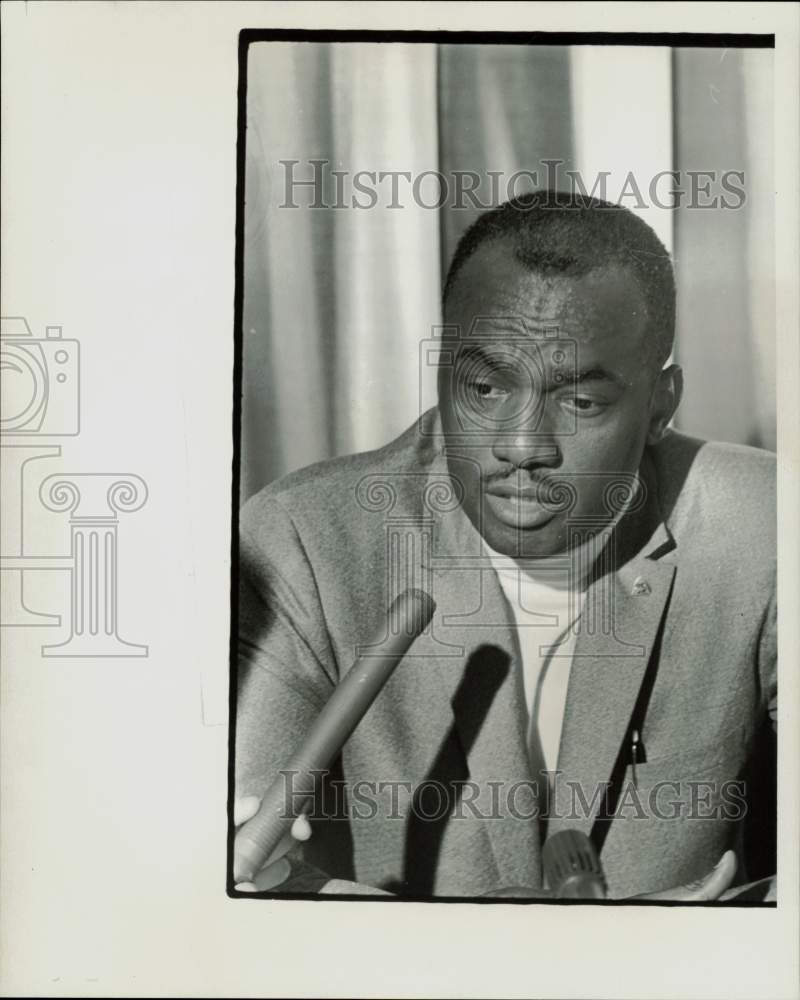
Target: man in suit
{"points": [[603, 653]]}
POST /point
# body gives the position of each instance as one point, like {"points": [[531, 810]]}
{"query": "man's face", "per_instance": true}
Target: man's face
{"points": [[554, 382]]}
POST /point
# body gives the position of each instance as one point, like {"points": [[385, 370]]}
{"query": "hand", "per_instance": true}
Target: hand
{"points": [[518, 892], [710, 887], [276, 869], [763, 890]]}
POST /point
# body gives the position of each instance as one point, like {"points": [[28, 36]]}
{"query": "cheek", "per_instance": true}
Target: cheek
{"points": [[447, 409], [622, 434], [615, 447], [466, 466]]}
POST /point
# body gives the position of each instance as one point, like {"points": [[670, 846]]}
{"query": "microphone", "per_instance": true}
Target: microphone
{"points": [[409, 616], [571, 866]]}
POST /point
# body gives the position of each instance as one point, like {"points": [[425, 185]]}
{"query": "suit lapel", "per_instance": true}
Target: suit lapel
{"points": [[623, 611], [605, 679]]}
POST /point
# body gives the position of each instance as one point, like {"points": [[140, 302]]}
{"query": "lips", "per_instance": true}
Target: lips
{"points": [[517, 505], [511, 492]]}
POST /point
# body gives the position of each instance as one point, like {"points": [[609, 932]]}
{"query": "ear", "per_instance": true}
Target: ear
{"points": [[666, 397]]}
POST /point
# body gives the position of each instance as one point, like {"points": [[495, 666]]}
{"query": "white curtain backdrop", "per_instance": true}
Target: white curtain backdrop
{"points": [[725, 261], [337, 300]]}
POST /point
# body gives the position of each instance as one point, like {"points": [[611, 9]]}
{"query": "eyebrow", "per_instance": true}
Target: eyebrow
{"points": [[594, 374]]}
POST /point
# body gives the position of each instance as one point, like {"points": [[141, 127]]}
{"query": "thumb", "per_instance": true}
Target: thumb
{"points": [[716, 882], [704, 889]]}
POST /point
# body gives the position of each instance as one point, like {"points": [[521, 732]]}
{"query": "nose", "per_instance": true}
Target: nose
{"points": [[528, 450]]}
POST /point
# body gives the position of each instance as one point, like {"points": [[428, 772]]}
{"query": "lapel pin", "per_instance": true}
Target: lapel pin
{"points": [[640, 587]]}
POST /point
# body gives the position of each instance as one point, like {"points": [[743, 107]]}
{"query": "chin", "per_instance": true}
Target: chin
{"points": [[533, 543]]}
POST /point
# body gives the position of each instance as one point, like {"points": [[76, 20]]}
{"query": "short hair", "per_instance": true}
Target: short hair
{"points": [[571, 234]]}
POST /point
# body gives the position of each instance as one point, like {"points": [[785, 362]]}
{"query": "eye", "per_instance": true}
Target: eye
{"points": [[484, 390], [585, 404]]}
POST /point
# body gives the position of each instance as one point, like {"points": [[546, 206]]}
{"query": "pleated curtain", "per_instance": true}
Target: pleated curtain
{"points": [[338, 302]]}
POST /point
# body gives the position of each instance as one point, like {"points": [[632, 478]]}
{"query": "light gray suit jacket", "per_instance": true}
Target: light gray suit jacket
{"points": [[680, 645]]}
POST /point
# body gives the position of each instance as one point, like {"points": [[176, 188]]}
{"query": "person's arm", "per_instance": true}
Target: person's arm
{"points": [[286, 672], [765, 889], [717, 884]]}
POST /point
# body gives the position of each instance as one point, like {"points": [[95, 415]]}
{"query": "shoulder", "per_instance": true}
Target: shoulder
{"points": [[712, 486], [742, 474], [339, 490]]}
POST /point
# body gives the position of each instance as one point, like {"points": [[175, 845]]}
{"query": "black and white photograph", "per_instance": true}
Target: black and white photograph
{"points": [[399, 477], [506, 598]]}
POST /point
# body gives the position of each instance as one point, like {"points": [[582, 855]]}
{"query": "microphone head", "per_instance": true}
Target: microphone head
{"points": [[571, 866]]}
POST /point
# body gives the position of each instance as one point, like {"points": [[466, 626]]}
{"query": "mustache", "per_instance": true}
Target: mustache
{"points": [[547, 489], [528, 478]]}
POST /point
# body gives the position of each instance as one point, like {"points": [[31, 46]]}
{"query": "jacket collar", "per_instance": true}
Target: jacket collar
{"points": [[618, 634]]}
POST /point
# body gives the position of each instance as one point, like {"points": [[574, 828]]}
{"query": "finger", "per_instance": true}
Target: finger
{"points": [[272, 875], [761, 891], [718, 880], [285, 844], [245, 808], [301, 828], [519, 892], [709, 887], [245, 887]]}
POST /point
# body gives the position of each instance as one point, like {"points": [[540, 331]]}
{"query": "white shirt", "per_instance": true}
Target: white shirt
{"points": [[546, 600]]}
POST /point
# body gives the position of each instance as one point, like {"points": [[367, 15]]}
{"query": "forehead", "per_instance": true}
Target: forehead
{"points": [[603, 311]]}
